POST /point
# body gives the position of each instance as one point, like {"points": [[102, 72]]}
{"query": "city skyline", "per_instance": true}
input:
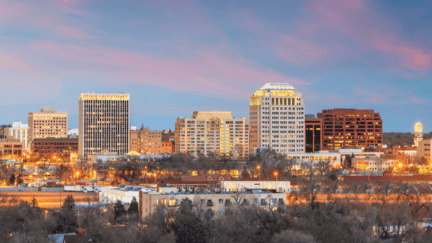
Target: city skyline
{"points": [[174, 58]]}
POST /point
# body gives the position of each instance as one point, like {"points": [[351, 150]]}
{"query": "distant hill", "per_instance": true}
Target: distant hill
{"points": [[402, 139]]}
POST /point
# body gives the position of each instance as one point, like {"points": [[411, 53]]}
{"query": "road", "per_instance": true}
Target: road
{"points": [[47, 199]]}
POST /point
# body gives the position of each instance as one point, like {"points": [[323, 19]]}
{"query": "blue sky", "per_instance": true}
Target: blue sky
{"points": [[175, 57]]}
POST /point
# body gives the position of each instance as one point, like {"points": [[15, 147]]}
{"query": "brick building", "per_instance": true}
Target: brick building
{"points": [[168, 147], [351, 128], [145, 141], [57, 149]]}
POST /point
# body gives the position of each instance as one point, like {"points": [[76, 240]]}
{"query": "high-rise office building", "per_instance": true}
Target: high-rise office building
{"points": [[103, 124], [351, 128], [313, 135], [47, 124], [212, 133], [18, 131], [145, 141], [277, 119]]}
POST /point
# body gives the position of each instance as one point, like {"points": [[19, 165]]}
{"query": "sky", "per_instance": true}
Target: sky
{"points": [[175, 57]]}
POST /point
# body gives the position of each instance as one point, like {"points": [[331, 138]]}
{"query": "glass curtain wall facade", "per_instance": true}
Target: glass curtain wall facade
{"points": [[103, 124]]}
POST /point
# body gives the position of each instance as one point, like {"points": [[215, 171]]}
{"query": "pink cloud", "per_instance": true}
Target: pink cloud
{"points": [[372, 29], [204, 73], [334, 31], [42, 16]]}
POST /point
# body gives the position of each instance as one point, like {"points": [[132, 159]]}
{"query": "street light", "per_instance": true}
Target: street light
{"points": [[154, 174], [259, 175], [276, 175], [77, 173]]}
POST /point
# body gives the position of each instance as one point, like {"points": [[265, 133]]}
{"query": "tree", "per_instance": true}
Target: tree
{"points": [[133, 210], [119, 212], [12, 179], [245, 173], [34, 203], [67, 221]]}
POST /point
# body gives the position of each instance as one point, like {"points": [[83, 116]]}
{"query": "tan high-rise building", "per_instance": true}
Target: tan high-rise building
{"points": [[145, 141], [103, 124], [277, 119], [212, 133], [47, 124]]}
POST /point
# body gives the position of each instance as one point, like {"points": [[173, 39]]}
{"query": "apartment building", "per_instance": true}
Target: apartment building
{"points": [[103, 124], [18, 131], [217, 202], [145, 141], [277, 119], [47, 124], [351, 128], [212, 133]]}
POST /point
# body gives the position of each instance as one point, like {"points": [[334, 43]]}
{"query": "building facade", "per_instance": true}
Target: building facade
{"points": [[10, 148], [418, 133], [168, 147], [424, 149], [144, 141], [216, 202], [212, 133], [103, 124], [18, 131], [277, 119], [47, 124], [55, 149], [351, 128], [313, 135]]}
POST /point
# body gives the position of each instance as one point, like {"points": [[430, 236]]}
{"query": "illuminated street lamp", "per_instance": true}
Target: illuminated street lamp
{"points": [[77, 173], [276, 175], [259, 175], [154, 174]]}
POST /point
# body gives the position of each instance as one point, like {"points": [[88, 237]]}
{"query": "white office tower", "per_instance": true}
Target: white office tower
{"points": [[277, 119], [103, 124]]}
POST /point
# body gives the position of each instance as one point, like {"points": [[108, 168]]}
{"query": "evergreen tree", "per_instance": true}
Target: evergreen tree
{"points": [[119, 212], [19, 179], [133, 211], [133, 208], [12, 179], [34, 203], [67, 218]]}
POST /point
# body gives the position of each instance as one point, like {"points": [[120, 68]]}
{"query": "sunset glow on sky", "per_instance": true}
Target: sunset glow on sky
{"points": [[175, 57]]}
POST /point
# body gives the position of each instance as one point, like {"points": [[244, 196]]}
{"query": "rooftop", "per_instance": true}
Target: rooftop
{"points": [[278, 86], [210, 114]]}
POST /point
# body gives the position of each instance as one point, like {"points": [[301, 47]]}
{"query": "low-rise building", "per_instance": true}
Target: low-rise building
{"points": [[18, 131], [253, 183], [55, 149], [213, 201], [408, 151], [124, 194], [11, 148], [373, 163]]}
